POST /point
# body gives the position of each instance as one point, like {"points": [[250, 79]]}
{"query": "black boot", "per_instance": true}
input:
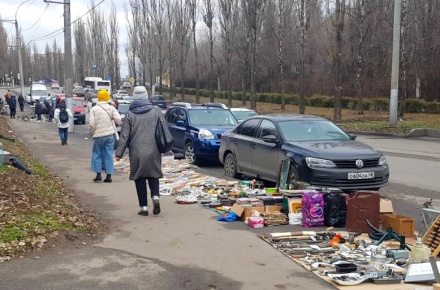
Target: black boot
{"points": [[108, 178], [98, 177]]}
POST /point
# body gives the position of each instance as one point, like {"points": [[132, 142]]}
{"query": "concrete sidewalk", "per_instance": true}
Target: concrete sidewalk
{"points": [[185, 247]]}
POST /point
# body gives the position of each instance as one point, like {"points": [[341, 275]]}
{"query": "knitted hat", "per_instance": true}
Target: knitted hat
{"points": [[103, 96], [140, 93]]}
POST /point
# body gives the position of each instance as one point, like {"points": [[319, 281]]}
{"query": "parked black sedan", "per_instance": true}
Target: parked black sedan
{"points": [[320, 153]]}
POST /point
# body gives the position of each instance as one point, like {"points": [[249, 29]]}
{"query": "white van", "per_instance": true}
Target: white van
{"points": [[37, 91]]}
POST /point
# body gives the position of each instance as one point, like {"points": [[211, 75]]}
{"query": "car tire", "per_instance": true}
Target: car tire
{"points": [[188, 153], [293, 178], [230, 166]]}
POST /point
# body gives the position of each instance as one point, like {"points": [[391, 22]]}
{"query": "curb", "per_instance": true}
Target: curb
{"points": [[382, 134]]}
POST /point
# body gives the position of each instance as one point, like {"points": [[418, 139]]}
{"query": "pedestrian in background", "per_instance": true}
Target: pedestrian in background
{"points": [[49, 110], [63, 116], [138, 134], [12, 102], [8, 95], [102, 120], [21, 102], [38, 109]]}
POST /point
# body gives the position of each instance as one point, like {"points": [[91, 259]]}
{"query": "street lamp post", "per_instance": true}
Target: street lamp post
{"points": [[68, 59]]}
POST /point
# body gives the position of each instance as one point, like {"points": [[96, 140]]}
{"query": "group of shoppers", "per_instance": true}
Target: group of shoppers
{"points": [[137, 134], [11, 101]]}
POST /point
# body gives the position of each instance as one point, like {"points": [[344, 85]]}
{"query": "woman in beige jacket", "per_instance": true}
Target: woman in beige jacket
{"points": [[101, 118]]}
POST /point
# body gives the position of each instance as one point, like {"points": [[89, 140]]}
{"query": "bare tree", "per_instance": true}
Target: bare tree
{"points": [[183, 31], [227, 8], [303, 19], [253, 10], [193, 10], [171, 39], [113, 47], [131, 48], [80, 53], [207, 18], [282, 16], [158, 16]]}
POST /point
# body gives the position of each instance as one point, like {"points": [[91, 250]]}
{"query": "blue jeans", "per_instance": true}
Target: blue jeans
{"points": [[102, 154], [63, 134]]}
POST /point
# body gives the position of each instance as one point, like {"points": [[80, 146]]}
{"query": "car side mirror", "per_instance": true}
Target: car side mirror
{"points": [[352, 136], [271, 139], [180, 123]]}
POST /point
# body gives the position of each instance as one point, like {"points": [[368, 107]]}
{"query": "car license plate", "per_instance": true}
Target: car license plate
{"points": [[75, 119], [361, 175]]}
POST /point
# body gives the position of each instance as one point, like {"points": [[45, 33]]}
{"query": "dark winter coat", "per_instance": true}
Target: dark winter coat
{"points": [[12, 102], [20, 100], [38, 108], [138, 134]]}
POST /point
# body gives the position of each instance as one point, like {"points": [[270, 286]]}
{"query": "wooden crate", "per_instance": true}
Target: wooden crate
{"points": [[432, 237], [402, 225]]}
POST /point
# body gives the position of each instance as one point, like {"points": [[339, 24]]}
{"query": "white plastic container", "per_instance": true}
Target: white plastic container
{"points": [[420, 252]]}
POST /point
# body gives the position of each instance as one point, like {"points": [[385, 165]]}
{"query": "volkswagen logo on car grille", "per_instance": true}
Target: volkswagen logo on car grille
{"points": [[359, 163]]}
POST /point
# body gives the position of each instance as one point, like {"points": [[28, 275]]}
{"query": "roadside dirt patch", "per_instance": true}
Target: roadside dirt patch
{"points": [[37, 211]]}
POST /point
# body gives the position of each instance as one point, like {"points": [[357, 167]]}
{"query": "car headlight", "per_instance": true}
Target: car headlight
{"points": [[205, 134], [319, 163], [382, 161]]}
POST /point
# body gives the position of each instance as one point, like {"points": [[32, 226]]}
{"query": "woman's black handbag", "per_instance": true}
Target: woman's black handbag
{"points": [[164, 139]]}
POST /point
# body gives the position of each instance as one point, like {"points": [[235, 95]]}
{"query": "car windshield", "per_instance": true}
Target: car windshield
{"points": [[39, 93], [78, 103], [123, 108], [311, 130], [242, 115], [211, 118], [158, 98]]}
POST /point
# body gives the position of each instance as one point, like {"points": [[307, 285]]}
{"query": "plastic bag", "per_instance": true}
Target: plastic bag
{"points": [[335, 210], [312, 209], [227, 217]]}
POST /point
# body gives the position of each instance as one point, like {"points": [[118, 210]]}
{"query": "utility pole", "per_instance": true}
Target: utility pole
{"points": [[20, 64], [394, 94], [68, 59]]}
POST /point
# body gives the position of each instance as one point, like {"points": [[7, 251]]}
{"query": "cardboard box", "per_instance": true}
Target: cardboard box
{"points": [[238, 210], [273, 208], [295, 205], [403, 225], [248, 211], [385, 207]]}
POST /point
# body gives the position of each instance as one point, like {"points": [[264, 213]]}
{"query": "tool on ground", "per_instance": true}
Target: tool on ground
{"points": [[381, 236]]}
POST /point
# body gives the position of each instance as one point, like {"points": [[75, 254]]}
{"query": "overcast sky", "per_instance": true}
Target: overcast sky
{"points": [[52, 20]]}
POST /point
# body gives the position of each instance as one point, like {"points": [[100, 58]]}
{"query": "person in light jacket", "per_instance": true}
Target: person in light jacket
{"points": [[63, 127], [138, 134], [101, 118]]}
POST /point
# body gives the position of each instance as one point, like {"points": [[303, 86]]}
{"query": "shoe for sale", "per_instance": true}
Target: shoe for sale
{"points": [[143, 212], [156, 206]]}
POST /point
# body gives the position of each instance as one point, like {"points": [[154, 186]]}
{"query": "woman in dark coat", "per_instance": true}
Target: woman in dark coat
{"points": [[49, 110], [38, 109], [138, 134]]}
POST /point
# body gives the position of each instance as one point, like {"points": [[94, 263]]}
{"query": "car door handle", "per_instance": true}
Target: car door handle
{"points": [[235, 142], [253, 146]]}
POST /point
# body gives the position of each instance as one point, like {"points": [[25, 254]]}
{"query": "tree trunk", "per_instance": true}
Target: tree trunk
{"points": [[302, 41], [360, 59], [403, 60], [340, 11], [211, 61], [196, 55]]}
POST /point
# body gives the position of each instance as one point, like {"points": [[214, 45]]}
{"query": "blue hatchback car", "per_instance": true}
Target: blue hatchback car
{"points": [[197, 129]]}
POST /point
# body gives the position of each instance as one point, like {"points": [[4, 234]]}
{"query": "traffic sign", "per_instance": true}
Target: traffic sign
{"points": [[94, 66], [109, 78], [131, 80]]}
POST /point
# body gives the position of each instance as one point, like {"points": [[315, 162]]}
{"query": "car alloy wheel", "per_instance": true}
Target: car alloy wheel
{"points": [[188, 152], [230, 166]]}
